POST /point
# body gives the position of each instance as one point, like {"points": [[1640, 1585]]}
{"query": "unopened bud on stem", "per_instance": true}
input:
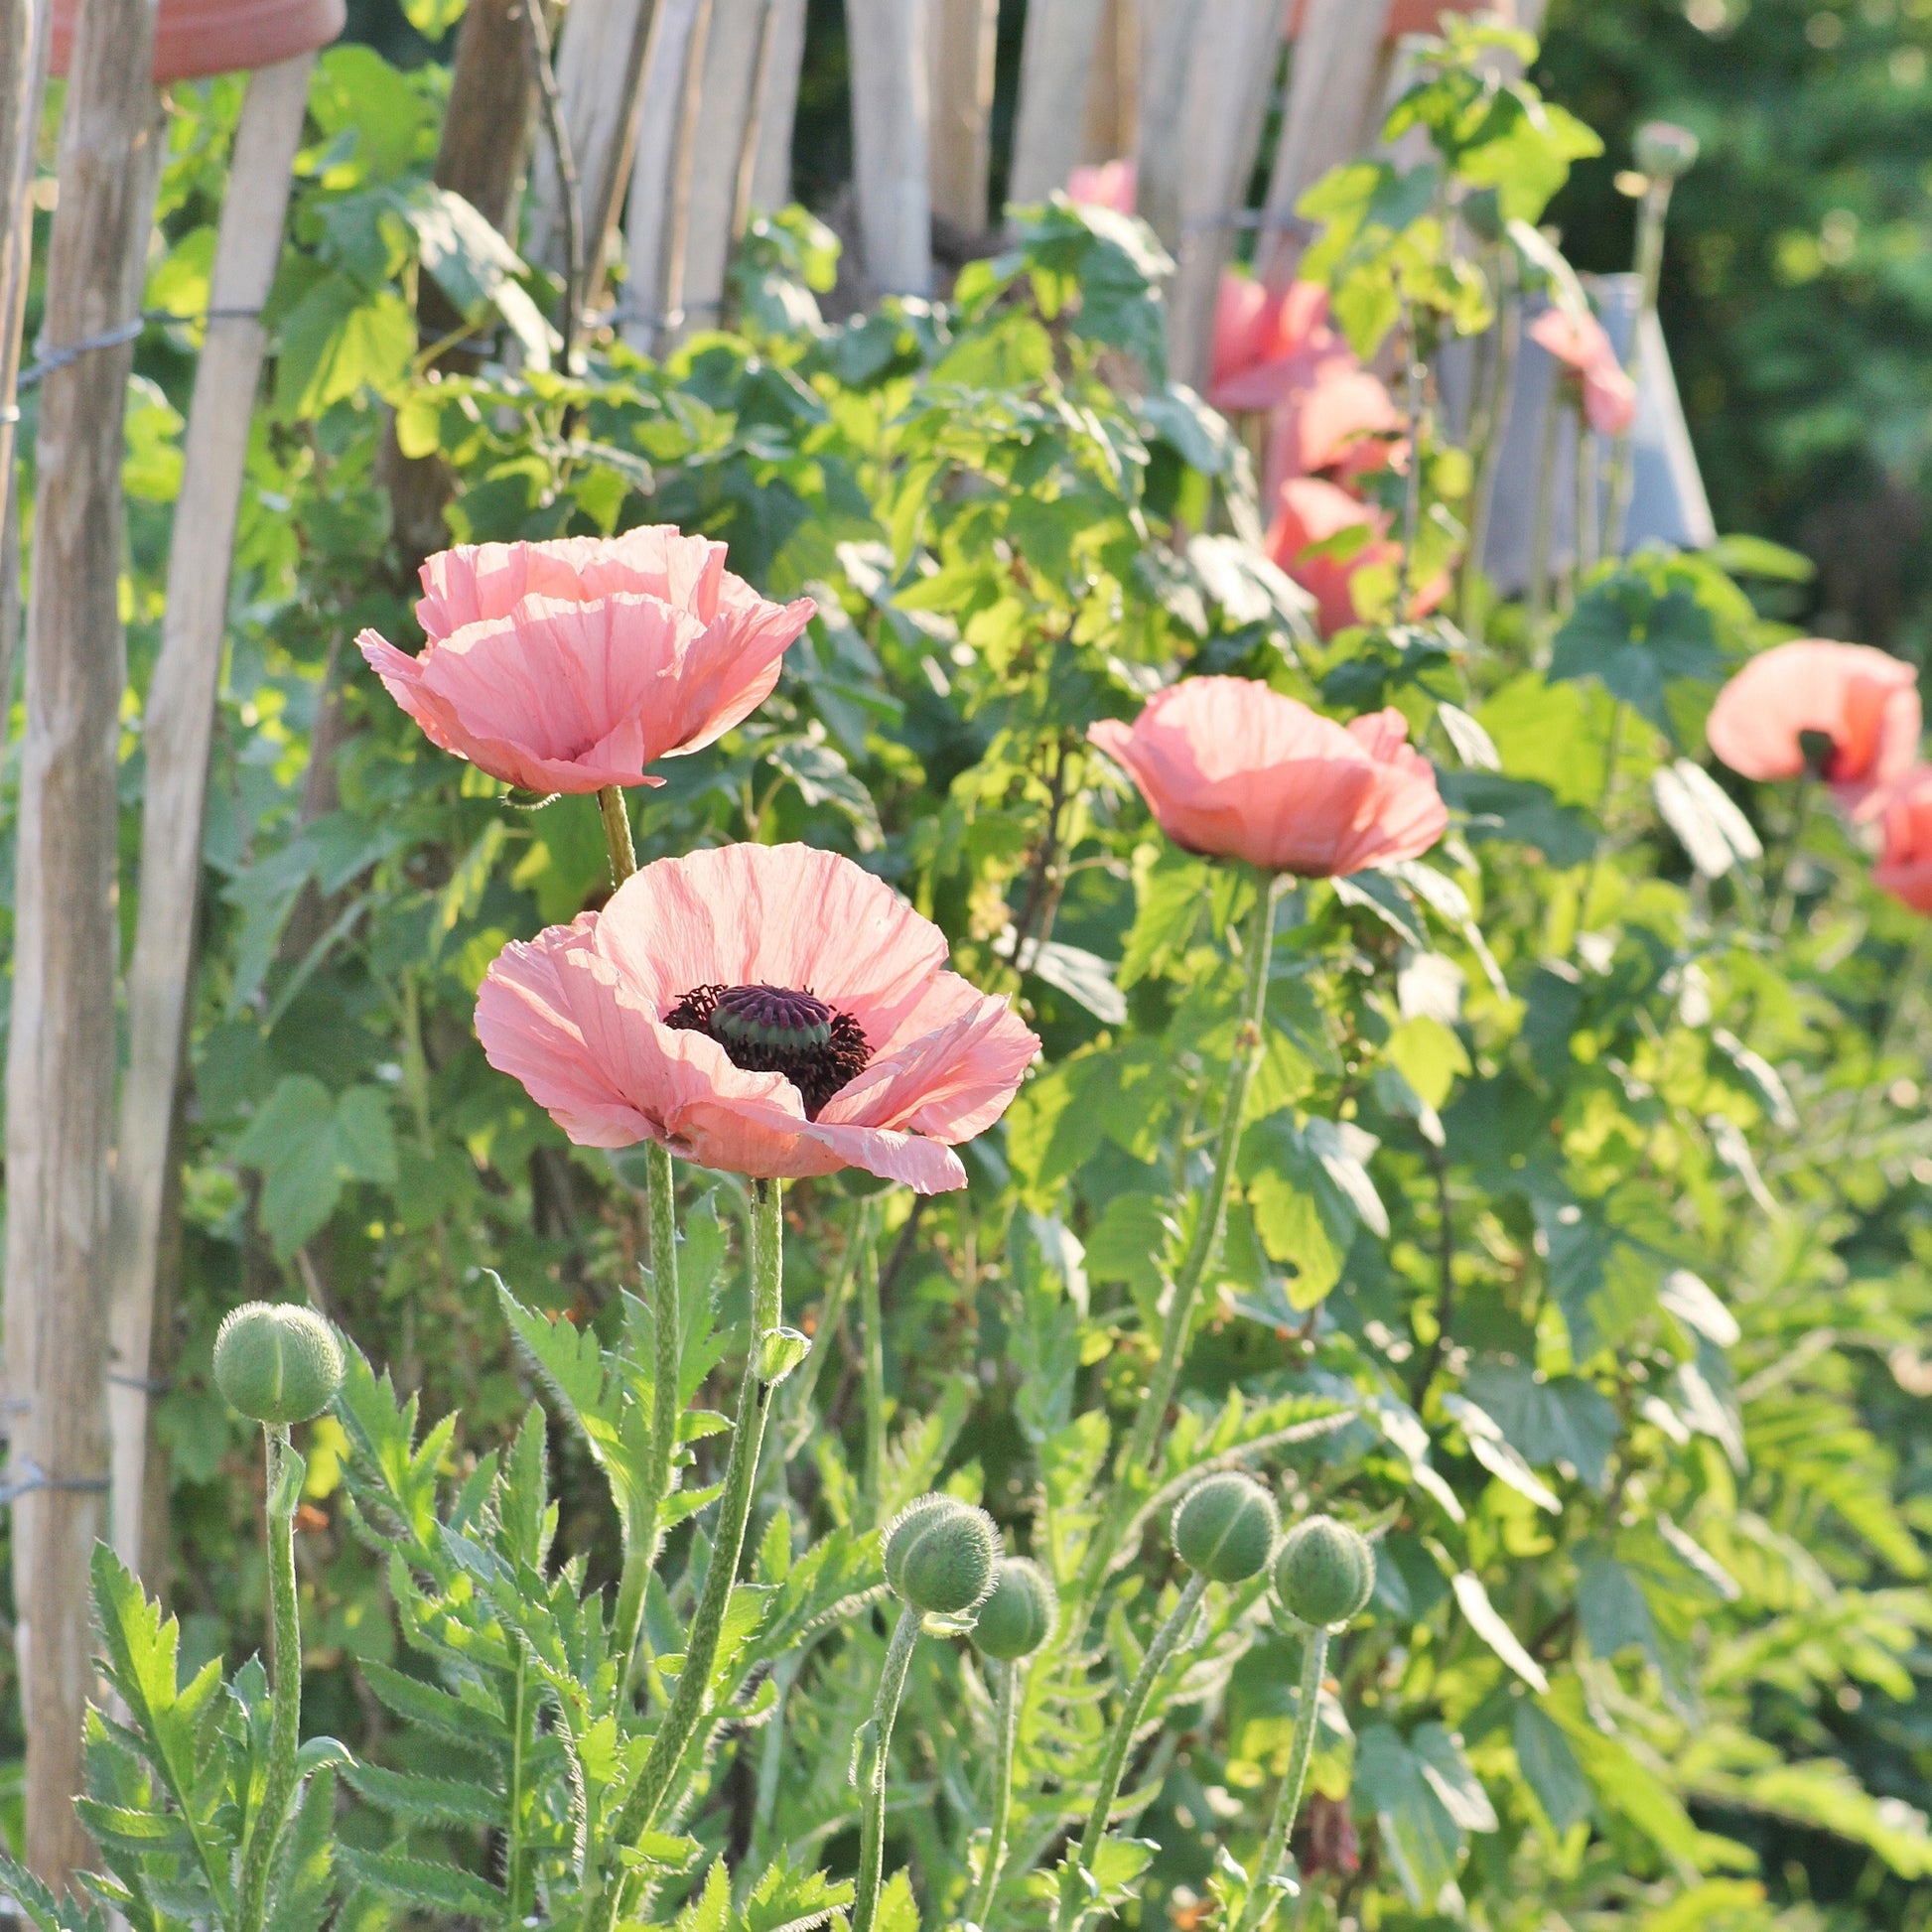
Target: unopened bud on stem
{"points": [[1226, 1526], [939, 1556], [278, 1362], [1324, 1573], [1017, 1617]]}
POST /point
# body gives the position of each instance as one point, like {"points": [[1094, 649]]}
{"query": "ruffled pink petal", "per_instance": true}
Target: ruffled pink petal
{"points": [[926, 1166], [474, 583], [952, 1083], [1107, 184], [1232, 769], [772, 915], [1864, 701]]}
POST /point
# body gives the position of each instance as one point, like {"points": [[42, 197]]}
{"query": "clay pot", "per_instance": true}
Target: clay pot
{"points": [[194, 37]]}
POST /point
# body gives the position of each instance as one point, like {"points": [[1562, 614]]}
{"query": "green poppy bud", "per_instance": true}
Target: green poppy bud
{"points": [[1325, 1573], [1017, 1617], [939, 1556], [1226, 1526], [1665, 151], [278, 1362]]}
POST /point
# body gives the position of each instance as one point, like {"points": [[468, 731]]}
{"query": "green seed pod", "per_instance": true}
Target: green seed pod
{"points": [[1665, 151], [1226, 1526], [1324, 1573], [278, 1362], [1017, 1617], [939, 1556]]}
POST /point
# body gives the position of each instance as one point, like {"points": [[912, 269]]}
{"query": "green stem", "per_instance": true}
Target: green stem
{"points": [[1619, 719], [1650, 269], [872, 1792], [1005, 1725], [616, 833], [1137, 1461], [874, 1375], [690, 1699], [285, 1719], [1315, 1659], [1166, 1639], [1787, 899], [1587, 525], [516, 1874], [1486, 446], [1543, 529]]}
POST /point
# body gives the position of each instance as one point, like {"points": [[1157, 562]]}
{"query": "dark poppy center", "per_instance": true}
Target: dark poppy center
{"points": [[776, 1030]]}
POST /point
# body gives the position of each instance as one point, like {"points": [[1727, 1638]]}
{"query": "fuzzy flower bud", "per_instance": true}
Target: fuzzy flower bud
{"points": [[1017, 1617], [1226, 1526], [1665, 151], [277, 1362], [1324, 1573], [939, 1556]]}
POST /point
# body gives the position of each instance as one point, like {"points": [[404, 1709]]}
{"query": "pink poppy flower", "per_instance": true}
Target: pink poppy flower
{"points": [[768, 1010], [1904, 868], [1233, 769], [1310, 512], [1847, 712], [1105, 184], [1343, 421], [572, 665], [1579, 343], [1270, 341]]}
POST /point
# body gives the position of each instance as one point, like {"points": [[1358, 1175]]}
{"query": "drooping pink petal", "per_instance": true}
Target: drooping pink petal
{"points": [[579, 1017], [1106, 183], [1232, 769], [573, 666], [1904, 866], [1863, 703], [1579, 343]]}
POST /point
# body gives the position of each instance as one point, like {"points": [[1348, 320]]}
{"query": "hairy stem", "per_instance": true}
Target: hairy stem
{"points": [[1274, 1848], [871, 1789], [616, 833], [690, 1699], [874, 1364], [1166, 1639], [1542, 531], [1005, 1725], [285, 1714], [1138, 1458]]}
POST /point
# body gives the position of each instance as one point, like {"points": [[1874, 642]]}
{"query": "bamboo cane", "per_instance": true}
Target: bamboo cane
{"points": [[889, 117], [1332, 92], [964, 40], [669, 97], [1055, 63], [728, 102], [176, 726], [1235, 51], [61, 1047], [599, 74], [785, 60]]}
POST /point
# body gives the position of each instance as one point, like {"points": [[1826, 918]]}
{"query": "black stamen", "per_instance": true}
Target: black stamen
{"points": [[775, 1029]]}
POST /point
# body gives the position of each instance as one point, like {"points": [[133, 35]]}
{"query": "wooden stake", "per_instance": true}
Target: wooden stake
{"points": [[671, 94], [1235, 47], [727, 101], [1330, 95], [785, 60], [965, 38], [61, 1047], [1113, 117], [600, 72], [1055, 67], [890, 116], [176, 726]]}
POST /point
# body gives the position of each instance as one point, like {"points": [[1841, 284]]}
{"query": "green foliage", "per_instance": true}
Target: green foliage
{"points": [[1575, 1247]]}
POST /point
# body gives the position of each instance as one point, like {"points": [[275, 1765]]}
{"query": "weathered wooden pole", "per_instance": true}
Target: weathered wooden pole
{"points": [[176, 726], [727, 106], [785, 60], [890, 113], [964, 40], [1055, 67], [61, 1046], [671, 98]]}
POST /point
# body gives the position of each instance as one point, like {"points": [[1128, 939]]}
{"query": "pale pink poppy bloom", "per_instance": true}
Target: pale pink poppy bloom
{"points": [[1105, 184], [1846, 712], [1311, 512], [768, 1010], [1343, 421], [1234, 770], [1904, 868], [573, 666], [1579, 343], [1271, 342]]}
